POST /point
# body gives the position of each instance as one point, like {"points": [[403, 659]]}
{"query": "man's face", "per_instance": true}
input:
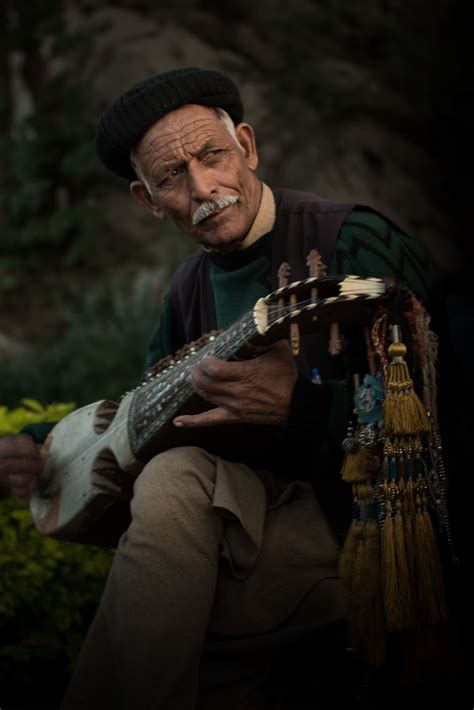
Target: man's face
{"points": [[188, 159]]}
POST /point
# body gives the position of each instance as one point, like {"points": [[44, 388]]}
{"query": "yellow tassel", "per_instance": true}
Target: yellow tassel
{"points": [[353, 467], [360, 571], [390, 576], [403, 411], [348, 554], [368, 624], [430, 582], [409, 498], [408, 508], [403, 568]]}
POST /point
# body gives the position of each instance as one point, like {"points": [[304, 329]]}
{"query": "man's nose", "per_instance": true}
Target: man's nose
{"points": [[201, 181]]}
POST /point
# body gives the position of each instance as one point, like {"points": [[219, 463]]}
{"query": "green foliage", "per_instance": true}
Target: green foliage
{"points": [[48, 589], [49, 180], [98, 352], [30, 413], [48, 592]]}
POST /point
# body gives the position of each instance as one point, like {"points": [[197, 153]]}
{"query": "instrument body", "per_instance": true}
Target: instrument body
{"points": [[98, 450], [90, 468]]}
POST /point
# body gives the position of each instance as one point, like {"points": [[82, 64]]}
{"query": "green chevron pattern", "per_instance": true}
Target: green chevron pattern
{"points": [[368, 245]]}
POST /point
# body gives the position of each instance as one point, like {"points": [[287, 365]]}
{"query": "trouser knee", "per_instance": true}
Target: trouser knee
{"points": [[173, 484]]}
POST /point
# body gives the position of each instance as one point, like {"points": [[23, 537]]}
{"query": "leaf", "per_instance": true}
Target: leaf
{"points": [[33, 404]]}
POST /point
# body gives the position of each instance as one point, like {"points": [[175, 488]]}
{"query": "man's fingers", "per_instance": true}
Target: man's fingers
{"points": [[19, 480], [22, 492], [31, 466], [216, 393], [22, 486], [213, 417], [214, 369]]}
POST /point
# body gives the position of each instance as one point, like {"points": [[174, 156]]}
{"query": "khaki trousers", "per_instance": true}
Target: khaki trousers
{"points": [[220, 568]]}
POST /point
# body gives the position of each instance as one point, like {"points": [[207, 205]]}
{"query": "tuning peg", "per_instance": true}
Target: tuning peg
{"points": [[335, 343], [317, 268], [283, 276], [294, 329]]}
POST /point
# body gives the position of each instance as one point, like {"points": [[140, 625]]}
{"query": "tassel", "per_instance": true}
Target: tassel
{"points": [[390, 573], [369, 624], [354, 465], [360, 572], [397, 568], [408, 508], [348, 554], [403, 568], [431, 595], [403, 411]]}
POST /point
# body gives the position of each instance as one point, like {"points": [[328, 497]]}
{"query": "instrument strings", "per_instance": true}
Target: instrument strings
{"points": [[221, 345], [225, 343]]}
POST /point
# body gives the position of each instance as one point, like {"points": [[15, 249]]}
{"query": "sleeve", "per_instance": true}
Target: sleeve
{"points": [[38, 431]]}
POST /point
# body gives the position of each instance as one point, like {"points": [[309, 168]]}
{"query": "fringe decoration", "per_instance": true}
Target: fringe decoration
{"points": [[426, 346], [348, 554], [408, 508], [403, 568], [360, 573], [390, 563], [372, 635], [430, 584], [395, 556]]}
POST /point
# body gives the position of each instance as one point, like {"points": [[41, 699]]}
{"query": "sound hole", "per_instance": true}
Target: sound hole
{"points": [[104, 416], [109, 479]]}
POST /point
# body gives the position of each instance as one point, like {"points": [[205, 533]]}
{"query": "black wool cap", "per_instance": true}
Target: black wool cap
{"points": [[124, 122]]}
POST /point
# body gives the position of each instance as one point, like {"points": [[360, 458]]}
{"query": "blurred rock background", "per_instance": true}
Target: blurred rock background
{"points": [[368, 102]]}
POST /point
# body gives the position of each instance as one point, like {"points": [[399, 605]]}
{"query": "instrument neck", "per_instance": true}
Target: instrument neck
{"points": [[157, 401]]}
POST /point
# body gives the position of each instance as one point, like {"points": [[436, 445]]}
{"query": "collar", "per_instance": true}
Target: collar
{"points": [[264, 219]]}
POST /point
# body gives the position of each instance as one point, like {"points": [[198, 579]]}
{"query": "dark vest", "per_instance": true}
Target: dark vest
{"points": [[303, 222]]}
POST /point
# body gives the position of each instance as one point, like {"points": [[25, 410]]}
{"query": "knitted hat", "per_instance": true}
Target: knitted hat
{"points": [[123, 124]]}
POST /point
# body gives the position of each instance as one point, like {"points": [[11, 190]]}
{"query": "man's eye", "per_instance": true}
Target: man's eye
{"points": [[212, 154], [169, 176]]}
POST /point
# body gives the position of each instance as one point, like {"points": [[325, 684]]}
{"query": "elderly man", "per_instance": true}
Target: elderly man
{"points": [[225, 563]]}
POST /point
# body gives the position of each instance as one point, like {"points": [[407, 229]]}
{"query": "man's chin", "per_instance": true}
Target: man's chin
{"points": [[221, 245], [219, 242]]}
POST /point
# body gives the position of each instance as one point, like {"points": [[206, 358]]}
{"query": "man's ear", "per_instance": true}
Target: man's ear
{"points": [[139, 191], [246, 138]]}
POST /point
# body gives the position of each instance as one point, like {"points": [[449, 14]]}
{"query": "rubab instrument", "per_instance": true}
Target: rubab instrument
{"points": [[98, 450]]}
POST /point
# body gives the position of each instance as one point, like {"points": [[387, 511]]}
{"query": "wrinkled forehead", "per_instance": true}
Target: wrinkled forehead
{"points": [[180, 133]]}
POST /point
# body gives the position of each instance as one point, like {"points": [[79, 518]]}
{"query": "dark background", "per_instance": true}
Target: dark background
{"points": [[367, 101], [370, 102]]}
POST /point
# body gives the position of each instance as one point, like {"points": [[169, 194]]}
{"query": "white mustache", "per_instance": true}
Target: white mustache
{"points": [[210, 206]]}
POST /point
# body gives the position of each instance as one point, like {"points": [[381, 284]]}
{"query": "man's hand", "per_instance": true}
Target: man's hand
{"points": [[20, 464], [254, 391]]}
